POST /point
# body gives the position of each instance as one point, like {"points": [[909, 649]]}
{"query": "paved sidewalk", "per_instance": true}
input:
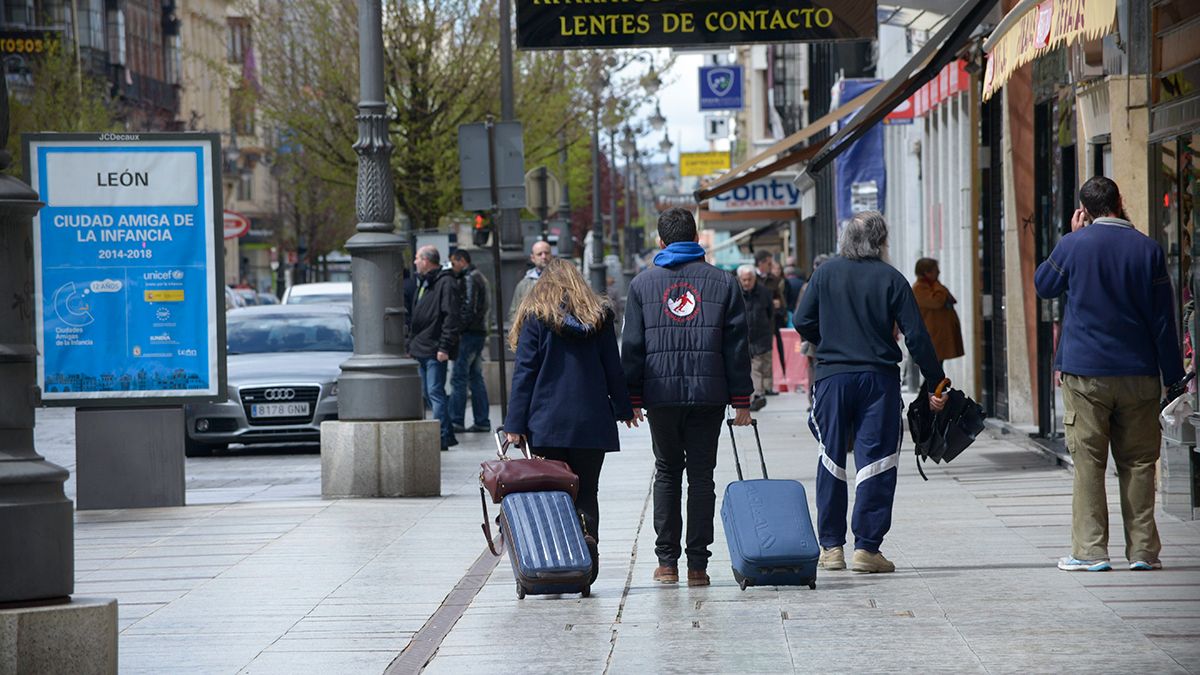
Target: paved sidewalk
{"points": [[274, 579]]}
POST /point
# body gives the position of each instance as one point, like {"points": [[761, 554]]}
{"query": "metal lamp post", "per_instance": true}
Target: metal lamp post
{"points": [[37, 547], [599, 82], [377, 383]]}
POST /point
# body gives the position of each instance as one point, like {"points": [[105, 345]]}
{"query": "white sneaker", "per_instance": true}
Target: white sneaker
{"points": [[832, 559]]}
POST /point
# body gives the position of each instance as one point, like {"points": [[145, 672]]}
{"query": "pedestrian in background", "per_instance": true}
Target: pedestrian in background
{"points": [[1118, 347], [686, 357], [761, 329], [467, 376], [808, 349], [937, 310], [436, 326], [793, 284], [568, 389], [849, 312], [540, 256], [770, 276]]}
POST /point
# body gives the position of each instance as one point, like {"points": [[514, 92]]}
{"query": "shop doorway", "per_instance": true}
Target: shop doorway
{"points": [[1055, 198], [994, 341]]}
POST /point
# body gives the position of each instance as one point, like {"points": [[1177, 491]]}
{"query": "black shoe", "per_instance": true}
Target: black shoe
{"points": [[446, 445], [758, 403], [594, 550], [477, 429], [458, 428], [771, 392]]}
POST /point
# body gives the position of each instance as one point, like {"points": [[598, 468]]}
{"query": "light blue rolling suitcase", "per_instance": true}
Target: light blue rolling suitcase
{"points": [[768, 529]]}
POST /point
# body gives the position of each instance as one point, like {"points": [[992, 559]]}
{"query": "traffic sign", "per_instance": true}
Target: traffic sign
{"points": [[534, 194], [476, 170], [236, 225]]}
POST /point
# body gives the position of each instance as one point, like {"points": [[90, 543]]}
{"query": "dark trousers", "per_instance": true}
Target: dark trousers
{"points": [[685, 438], [862, 409], [586, 464]]}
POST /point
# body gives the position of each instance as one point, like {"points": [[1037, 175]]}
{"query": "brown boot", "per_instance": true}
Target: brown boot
{"points": [[666, 574], [698, 578]]}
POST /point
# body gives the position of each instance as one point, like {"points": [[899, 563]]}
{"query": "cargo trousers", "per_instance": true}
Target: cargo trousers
{"points": [[1121, 412]]}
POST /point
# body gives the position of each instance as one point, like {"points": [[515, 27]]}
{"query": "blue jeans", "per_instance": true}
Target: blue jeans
{"points": [[433, 381], [468, 373]]}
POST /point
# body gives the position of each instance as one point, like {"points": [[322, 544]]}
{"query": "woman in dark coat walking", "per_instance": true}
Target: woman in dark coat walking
{"points": [[568, 388]]}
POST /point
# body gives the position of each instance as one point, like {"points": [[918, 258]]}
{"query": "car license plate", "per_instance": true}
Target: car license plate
{"points": [[279, 410]]}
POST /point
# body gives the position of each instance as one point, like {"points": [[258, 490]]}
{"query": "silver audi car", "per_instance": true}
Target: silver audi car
{"points": [[283, 365]]}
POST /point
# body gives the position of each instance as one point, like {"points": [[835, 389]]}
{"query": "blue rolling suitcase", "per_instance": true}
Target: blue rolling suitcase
{"points": [[545, 543], [768, 529]]}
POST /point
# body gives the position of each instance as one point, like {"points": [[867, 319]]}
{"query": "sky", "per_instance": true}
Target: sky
{"points": [[679, 99]]}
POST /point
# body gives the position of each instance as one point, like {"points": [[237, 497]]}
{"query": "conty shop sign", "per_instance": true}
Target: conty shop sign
{"points": [[775, 193]]}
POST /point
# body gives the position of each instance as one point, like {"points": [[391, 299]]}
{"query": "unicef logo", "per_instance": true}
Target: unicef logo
{"points": [[177, 274]]}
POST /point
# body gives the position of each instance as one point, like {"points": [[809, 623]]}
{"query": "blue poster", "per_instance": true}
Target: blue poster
{"points": [[861, 174], [721, 88], [126, 267]]}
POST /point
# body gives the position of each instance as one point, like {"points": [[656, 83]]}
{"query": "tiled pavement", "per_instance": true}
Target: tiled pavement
{"points": [[262, 576]]}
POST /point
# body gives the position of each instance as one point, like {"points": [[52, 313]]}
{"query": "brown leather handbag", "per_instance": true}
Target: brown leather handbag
{"points": [[505, 475]]}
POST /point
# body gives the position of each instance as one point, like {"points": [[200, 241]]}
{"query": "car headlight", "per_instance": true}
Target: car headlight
{"points": [[333, 389]]}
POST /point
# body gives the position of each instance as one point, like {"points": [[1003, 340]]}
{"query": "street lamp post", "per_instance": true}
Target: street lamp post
{"points": [[597, 268], [377, 383]]}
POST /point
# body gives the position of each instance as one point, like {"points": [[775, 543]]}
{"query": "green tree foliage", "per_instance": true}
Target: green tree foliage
{"points": [[441, 70], [57, 97]]}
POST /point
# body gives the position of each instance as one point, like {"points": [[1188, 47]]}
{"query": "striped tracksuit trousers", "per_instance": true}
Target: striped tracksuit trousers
{"points": [[864, 407]]}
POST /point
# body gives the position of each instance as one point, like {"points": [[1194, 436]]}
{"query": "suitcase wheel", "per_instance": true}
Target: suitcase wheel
{"points": [[812, 585], [741, 580], [520, 592], [586, 592]]}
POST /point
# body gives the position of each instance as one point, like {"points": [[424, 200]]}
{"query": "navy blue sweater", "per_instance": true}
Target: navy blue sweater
{"points": [[568, 390], [849, 312], [1119, 317]]}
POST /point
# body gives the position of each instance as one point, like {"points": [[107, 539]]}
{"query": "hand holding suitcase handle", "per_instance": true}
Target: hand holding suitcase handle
{"points": [[737, 463], [503, 442]]}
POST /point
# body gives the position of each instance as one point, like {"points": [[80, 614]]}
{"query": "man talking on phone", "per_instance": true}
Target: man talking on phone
{"points": [[1118, 348]]}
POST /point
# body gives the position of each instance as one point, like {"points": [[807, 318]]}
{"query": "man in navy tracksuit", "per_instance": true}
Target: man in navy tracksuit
{"points": [[850, 310], [685, 353]]}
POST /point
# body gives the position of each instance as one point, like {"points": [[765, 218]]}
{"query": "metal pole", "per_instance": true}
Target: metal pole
{"points": [[377, 382], [510, 219], [612, 186], [502, 351], [564, 205], [598, 280], [37, 553], [543, 209]]}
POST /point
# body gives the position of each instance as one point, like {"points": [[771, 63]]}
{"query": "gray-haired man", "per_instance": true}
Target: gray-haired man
{"points": [[849, 310]]}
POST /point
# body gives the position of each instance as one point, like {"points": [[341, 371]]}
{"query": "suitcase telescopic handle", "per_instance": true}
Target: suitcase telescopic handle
{"points": [[733, 439], [502, 445]]}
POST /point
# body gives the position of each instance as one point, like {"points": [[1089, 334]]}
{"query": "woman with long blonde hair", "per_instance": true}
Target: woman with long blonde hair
{"points": [[568, 389]]}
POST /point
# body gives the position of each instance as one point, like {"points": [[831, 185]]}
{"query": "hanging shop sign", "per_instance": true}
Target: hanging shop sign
{"points": [[1029, 31], [951, 81], [565, 24], [127, 267], [702, 163], [778, 192]]}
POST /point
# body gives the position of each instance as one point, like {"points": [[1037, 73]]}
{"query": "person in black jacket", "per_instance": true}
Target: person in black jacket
{"points": [[468, 366], [686, 356], [849, 311], [568, 390], [761, 323], [436, 325]]}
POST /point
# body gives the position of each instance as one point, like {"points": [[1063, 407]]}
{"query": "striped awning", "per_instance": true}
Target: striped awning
{"points": [[1034, 27]]}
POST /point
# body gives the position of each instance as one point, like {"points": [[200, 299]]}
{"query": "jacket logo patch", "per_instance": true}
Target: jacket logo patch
{"points": [[681, 301]]}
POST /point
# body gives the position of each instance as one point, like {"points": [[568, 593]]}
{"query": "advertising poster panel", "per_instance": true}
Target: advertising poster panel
{"points": [[128, 271]]}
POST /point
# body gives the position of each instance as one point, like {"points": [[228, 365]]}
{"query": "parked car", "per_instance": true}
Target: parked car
{"points": [[267, 299], [248, 295], [318, 293], [233, 300], [283, 365]]}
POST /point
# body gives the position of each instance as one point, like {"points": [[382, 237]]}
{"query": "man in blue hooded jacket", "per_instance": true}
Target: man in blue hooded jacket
{"points": [[685, 352]]}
